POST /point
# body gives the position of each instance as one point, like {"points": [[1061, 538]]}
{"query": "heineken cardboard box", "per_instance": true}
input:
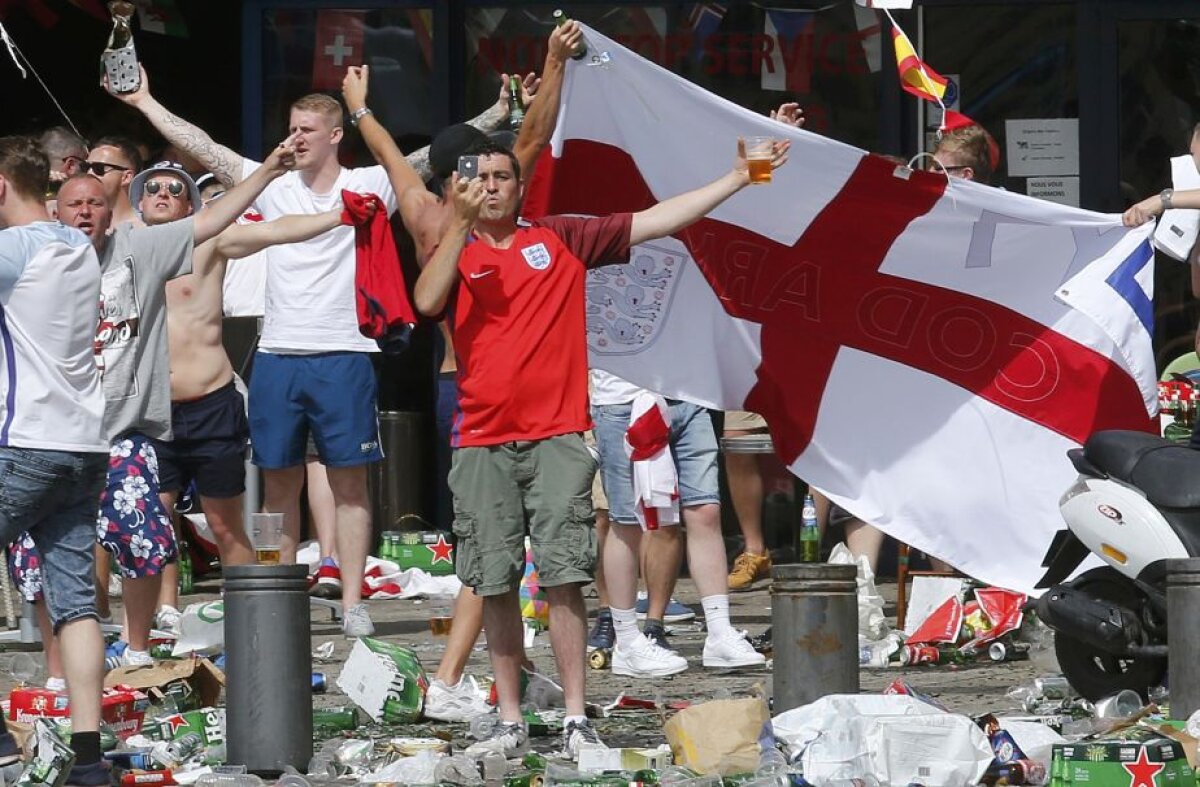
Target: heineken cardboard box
{"points": [[385, 680], [1152, 762], [428, 550]]}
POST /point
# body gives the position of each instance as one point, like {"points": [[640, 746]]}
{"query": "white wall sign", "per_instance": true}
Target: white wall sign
{"points": [[1063, 190], [1045, 146]]}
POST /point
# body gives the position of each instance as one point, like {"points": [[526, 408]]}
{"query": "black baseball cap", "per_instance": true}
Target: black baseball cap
{"points": [[450, 143]]}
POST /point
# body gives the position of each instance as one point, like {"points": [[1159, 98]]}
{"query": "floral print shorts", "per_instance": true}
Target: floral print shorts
{"points": [[134, 526]]}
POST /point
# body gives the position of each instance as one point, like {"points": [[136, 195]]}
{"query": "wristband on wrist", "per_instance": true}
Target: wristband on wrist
{"points": [[359, 114]]}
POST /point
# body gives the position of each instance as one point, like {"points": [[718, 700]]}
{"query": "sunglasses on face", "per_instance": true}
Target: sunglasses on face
{"points": [[173, 187], [100, 168]]}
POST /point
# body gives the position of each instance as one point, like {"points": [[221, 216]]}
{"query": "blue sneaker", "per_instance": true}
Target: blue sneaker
{"points": [[676, 612], [603, 636], [113, 654]]}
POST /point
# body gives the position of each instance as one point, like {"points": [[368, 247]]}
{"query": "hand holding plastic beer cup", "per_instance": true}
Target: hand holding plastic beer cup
{"points": [[266, 534], [758, 157]]}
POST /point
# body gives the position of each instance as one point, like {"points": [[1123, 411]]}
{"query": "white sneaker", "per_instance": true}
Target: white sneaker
{"points": [[647, 659], [356, 622], [455, 703], [578, 734], [732, 649], [167, 619], [508, 738], [136, 658]]}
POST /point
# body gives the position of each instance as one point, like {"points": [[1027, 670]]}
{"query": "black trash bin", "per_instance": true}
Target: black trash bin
{"points": [[397, 482]]}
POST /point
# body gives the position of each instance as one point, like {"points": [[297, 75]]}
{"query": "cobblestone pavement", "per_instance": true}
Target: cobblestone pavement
{"points": [[968, 689]]}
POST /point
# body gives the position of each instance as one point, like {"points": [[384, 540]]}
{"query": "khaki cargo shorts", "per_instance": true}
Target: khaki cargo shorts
{"points": [[501, 491], [744, 421]]}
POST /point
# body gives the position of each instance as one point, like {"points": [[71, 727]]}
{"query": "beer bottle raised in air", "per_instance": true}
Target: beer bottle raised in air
{"points": [[516, 107], [810, 535], [120, 58], [561, 19]]}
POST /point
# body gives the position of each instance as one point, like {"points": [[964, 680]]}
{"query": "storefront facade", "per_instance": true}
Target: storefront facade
{"points": [[1116, 85]]}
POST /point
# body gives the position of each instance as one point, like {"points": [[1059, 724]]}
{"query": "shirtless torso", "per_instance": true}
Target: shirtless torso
{"points": [[199, 364]]}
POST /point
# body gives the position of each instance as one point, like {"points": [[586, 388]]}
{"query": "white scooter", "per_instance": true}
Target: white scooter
{"points": [[1135, 505]]}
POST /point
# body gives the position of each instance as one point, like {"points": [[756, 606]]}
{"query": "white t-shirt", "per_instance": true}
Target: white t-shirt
{"points": [[245, 286], [310, 303], [50, 394], [610, 389]]}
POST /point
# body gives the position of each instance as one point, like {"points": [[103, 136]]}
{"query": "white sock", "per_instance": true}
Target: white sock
{"points": [[56, 684], [577, 719], [716, 615], [626, 627]]}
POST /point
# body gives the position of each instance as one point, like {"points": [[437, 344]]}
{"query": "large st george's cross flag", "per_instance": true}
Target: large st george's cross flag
{"points": [[908, 338]]}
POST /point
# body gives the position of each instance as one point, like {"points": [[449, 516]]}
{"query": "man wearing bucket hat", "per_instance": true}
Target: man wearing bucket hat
{"points": [[131, 352], [208, 413]]}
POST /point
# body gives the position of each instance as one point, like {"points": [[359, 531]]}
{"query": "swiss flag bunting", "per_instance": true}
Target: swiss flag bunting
{"points": [[339, 45]]}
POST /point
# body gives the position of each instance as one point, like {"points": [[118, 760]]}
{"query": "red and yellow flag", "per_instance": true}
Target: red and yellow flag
{"points": [[916, 77]]}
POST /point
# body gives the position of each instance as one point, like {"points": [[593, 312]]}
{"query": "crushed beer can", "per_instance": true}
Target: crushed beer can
{"points": [[52, 758]]}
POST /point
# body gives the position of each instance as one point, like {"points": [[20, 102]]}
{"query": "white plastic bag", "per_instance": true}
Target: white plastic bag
{"points": [[890, 739], [872, 625], [201, 629]]}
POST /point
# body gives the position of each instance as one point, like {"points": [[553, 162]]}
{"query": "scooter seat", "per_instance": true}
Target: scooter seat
{"points": [[1167, 472]]}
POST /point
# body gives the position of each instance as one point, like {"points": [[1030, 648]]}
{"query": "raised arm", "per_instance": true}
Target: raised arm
{"points": [[489, 120], [399, 171], [439, 277], [672, 215], [543, 113], [218, 159], [221, 213]]}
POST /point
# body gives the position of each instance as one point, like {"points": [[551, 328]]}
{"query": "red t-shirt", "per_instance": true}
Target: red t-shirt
{"points": [[520, 330]]}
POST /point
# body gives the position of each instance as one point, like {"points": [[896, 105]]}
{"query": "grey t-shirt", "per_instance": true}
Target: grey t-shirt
{"points": [[131, 341]]}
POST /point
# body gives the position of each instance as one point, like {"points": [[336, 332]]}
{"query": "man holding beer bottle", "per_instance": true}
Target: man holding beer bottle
{"points": [[519, 458]]}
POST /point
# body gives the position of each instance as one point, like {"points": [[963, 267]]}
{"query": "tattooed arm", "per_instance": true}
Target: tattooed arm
{"points": [[218, 159], [490, 120]]}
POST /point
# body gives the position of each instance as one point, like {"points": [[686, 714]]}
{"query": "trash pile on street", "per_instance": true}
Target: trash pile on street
{"points": [[164, 724]]}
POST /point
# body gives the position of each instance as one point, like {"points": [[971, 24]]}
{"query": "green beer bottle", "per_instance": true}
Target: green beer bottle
{"points": [[342, 717], [561, 19], [810, 535], [187, 583], [516, 107]]}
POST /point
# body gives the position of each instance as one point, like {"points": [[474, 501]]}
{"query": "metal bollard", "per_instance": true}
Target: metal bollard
{"points": [[268, 668], [814, 620], [1183, 641]]}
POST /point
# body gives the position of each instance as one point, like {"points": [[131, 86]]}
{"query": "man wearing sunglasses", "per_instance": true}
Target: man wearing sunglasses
{"points": [[114, 161], [208, 414], [131, 351]]}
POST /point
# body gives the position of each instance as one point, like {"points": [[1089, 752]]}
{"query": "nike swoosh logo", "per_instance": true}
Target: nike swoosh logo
{"points": [[481, 274]]}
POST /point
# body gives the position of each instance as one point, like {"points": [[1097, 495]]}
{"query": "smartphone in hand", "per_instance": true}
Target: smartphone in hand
{"points": [[468, 167]]}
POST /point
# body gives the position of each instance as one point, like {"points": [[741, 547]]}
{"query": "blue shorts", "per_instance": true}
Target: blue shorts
{"points": [[330, 395], [53, 494], [693, 446]]}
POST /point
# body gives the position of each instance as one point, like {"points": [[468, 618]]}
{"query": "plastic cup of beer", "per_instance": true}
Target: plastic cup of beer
{"points": [[266, 534], [759, 151], [440, 620]]}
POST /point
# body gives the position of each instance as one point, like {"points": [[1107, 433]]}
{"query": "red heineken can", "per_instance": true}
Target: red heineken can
{"points": [[911, 655]]}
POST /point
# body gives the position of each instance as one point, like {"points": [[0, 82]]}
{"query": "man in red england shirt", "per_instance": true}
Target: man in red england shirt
{"points": [[519, 457]]}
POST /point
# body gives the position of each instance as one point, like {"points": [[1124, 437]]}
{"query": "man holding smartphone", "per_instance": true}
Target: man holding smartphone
{"points": [[519, 458]]}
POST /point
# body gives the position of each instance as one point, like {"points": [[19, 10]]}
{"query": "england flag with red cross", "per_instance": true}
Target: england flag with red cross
{"points": [[925, 350]]}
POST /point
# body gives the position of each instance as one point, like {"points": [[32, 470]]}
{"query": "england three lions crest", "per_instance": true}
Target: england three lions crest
{"points": [[626, 303], [537, 255]]}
